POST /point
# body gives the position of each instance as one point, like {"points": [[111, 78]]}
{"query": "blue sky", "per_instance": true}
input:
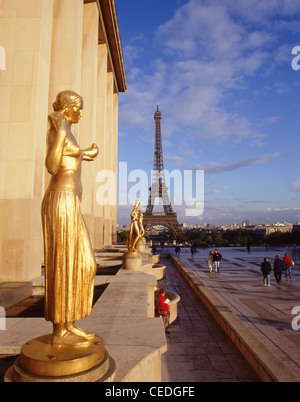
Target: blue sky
{"points": [[221, 71]]}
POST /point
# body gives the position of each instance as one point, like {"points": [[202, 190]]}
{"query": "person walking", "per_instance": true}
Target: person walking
{"points": [[266, 271], [278, 269], [210, 261], [288, 265], [217, 258], [193, 248]]}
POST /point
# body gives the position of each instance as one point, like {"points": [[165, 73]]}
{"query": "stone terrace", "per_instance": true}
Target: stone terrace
{"points": [[257, 318], [198, 349]]}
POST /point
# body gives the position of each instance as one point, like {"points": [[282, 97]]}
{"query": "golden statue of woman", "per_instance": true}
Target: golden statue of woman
{"points": [[134, 233], [70, 265], [141, 225]]}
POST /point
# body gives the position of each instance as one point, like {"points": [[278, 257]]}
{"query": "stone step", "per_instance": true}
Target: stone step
{"points": [[12, 293]]}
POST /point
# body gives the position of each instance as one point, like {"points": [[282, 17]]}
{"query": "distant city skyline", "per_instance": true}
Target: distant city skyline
{"points": [[231, 225], [225, 75]]}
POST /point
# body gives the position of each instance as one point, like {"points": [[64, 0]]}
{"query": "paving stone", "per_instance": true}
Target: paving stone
{"points": [[266, 311], [198, 350]]}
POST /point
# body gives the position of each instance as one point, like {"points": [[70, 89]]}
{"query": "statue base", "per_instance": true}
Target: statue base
{"points": [[39, 361], [141, 245], [132, 260]]}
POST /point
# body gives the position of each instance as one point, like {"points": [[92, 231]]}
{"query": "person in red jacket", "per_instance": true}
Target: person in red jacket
{"points": [[287, 261], [163, 308]]}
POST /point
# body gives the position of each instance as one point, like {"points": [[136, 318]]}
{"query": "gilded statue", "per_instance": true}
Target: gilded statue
{"points": [[70, 265], [142, 229], [134, 233]]}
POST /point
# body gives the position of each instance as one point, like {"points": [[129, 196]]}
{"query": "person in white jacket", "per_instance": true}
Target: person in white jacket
{"points": [[210, 261]]}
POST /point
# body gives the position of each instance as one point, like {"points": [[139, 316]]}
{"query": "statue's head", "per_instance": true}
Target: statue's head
{"points": [[71, 103]]}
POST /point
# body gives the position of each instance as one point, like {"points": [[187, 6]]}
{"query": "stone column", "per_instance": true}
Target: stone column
{"points": [[100, 140], [88, 126], [115, 162], [25, 32], [66, 56], [108, 154], [66, 53]]}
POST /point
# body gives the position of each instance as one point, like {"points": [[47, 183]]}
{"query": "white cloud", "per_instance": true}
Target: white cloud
{"points": [[295, 187], [216, 167], [130, 53], [208, 29], [197, 27], [209, 53], [260, 11], [172, 158], [214, 62]]}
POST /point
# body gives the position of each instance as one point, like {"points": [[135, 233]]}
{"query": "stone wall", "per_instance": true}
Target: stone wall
{"points": [[53, 45]]}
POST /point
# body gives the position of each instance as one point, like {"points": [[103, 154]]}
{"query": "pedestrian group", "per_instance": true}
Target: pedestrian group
{"points": [[280, 266], [213, 261]]}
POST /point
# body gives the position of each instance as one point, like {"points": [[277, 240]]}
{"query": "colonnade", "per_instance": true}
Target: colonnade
{"points": [[50, 46]]}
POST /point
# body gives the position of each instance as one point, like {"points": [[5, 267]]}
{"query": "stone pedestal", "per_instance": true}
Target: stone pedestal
{"points": [[141, 245], [132, 261], [39, 361]]}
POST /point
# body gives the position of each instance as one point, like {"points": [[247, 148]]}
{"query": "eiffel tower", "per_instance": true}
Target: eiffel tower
{"points": [[158, 189]]}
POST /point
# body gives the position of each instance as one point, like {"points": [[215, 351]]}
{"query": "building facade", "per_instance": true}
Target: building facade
{"points": [[51, 46]]}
